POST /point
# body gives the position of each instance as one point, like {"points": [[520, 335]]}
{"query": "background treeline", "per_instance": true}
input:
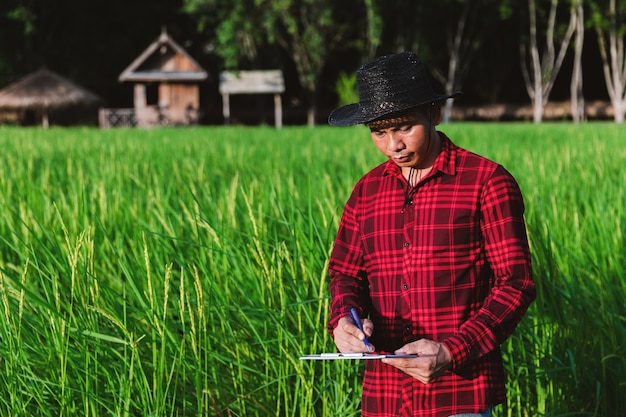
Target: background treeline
{"points": [[483, 47]]}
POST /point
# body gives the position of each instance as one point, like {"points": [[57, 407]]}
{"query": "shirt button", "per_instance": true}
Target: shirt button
{"points": [[407, 244], [406, 287]]}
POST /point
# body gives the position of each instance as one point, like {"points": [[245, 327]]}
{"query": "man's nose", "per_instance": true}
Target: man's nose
{"points": [[395, 142]]}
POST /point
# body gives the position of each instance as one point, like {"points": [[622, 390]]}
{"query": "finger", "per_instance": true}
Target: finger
{"points": [[351, 329], [368, 327], [401, 363], [361, 335], [348, 338], [354, 345], [410, 369]]}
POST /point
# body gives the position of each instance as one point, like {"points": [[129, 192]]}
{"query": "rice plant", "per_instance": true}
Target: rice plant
{"points": [[183, 271]]}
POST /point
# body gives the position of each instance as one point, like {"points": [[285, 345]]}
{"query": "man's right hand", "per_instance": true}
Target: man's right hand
{"points": [[348, 337]]}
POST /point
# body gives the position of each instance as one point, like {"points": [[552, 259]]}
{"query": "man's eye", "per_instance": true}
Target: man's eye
{"points": [[406, 128]]}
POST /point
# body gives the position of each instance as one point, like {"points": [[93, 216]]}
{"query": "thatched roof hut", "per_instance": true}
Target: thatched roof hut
{"points": [[43, 91]]}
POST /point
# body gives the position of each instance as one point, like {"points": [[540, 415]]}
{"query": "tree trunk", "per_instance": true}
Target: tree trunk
{"points": [[447, 110], [620, 109], [310, 116], [450, 83], [614, 68], [455, 48], [544, 69], [536, 95], [312, 107], [576, 86], [538, 107]]}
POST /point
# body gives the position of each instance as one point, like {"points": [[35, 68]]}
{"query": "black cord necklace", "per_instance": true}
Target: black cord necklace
{"points": [[411, 186], [412, 182]]}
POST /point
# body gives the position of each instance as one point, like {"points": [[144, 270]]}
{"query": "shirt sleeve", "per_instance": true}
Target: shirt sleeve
{"points": [[506, 246], [348, 280]]}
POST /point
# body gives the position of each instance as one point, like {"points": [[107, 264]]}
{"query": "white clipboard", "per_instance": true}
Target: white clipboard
{"points": [[343, 356]]}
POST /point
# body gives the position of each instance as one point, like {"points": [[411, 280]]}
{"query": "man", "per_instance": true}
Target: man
{"points": [[432, 247]]}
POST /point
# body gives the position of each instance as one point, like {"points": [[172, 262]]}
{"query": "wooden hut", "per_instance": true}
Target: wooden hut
{"points": [[45, 91], [166, 84]]}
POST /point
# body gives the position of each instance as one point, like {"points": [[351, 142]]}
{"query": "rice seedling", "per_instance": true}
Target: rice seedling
{"points": [[183, 271]]}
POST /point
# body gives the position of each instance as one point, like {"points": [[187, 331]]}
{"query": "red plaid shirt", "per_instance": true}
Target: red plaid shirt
{"points": [[454, 267]]}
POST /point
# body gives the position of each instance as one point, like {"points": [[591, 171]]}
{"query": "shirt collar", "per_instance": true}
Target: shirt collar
{"points": [[445, 162]]}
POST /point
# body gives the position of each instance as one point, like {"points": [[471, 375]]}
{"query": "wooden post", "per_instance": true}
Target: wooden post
{"points": [[278, 111], [102, 118], [44, 119], [140, 96], [226, 108]]}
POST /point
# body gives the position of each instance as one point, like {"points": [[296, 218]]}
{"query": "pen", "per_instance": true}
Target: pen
{"points": [[357, 320]]}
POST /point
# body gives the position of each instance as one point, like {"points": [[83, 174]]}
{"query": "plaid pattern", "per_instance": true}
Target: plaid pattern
{"points": [[453, 267]]}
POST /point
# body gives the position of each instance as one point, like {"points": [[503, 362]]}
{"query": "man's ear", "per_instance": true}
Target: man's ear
{"points": [[435, 113]]}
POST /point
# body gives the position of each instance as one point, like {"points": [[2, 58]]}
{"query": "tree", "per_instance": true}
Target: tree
{"points": [[373, 26], [460, 48], [540, 72], [306, 30], [576, 84], [467, 23], [234, 33], [369, 39], [89, 43], [609, 23], [75, 38], [17, 23], [446, 34], [403, 21]]}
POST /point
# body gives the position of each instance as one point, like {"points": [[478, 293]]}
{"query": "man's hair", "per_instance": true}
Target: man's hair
{"points": [[402, 117]]}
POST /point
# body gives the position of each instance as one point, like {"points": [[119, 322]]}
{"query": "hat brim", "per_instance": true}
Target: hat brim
{"points": [[357, 113]]}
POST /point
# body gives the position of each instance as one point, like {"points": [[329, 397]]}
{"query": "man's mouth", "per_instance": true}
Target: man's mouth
{"points": [[401, 157]]}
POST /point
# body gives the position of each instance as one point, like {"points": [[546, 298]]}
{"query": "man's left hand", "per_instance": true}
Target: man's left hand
{"points": [[433, 361]]}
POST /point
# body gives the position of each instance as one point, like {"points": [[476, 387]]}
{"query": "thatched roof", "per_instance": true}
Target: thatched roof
{"points": [[44, 90]]}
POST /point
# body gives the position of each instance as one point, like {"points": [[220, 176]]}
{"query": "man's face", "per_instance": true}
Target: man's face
{"points": [[404, 138]]}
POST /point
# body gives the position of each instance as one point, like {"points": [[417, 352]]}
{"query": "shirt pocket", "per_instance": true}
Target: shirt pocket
{"points": [[448, 236]]}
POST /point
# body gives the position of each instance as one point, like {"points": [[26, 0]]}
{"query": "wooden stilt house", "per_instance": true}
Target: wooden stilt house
{"points": [[166, 83]]}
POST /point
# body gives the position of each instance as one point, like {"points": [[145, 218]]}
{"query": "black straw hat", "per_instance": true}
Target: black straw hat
{"points": [[388, 84]]}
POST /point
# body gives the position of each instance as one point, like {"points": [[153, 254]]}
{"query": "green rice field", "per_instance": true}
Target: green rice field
{"points": [[182, 272]]}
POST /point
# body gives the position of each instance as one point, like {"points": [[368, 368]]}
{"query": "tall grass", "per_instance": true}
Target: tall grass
{"points": [[183, 271], [566, 358]]}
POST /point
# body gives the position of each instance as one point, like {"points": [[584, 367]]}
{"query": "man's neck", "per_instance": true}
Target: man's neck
{"points": [[425, 165]]}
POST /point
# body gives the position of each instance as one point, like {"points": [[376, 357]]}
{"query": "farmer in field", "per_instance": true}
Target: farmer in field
{"points": [[432, 252]]}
